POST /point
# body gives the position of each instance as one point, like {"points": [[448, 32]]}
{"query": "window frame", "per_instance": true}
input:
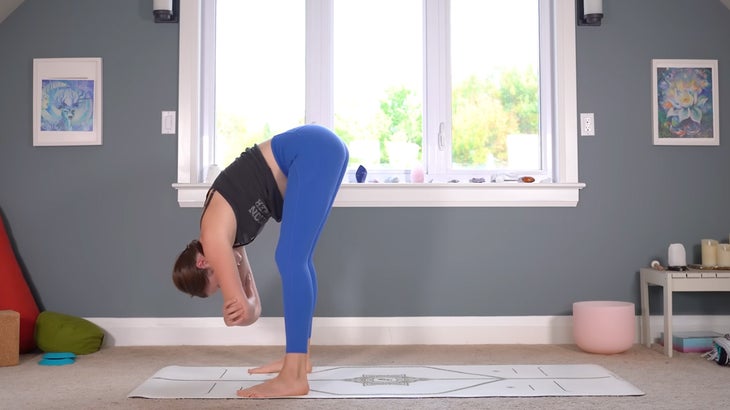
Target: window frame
{"points": [[563, 191]]}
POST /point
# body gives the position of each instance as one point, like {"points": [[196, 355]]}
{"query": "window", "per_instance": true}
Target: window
{"points": [[378, 84], [392, 94], [259, 72]]}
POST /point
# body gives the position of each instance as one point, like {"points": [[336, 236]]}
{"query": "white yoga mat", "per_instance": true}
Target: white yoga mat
{"points": [[180, 382]]}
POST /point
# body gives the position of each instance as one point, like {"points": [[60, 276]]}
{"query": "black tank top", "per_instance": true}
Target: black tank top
{"points": [[249, 187]]}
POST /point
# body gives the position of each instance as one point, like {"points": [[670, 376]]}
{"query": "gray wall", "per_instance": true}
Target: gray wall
{"points": [[97, 228]]}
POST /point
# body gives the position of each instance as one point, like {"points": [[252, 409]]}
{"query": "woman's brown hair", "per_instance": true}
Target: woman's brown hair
{"points": [[188, 278]]}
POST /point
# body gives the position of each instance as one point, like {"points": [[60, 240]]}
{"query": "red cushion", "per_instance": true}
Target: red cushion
{"points": [[15, 293]]}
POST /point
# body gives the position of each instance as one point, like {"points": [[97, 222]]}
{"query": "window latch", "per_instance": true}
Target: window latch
{"points": [[441, 136]]}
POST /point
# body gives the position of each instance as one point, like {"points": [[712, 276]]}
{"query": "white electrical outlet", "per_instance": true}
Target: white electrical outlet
{"points": [[587, 126]]}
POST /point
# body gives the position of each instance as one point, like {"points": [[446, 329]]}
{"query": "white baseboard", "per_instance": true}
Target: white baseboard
{"points": [[439, 330]]}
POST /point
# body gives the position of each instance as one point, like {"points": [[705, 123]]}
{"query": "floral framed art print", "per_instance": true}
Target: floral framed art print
{"points": [[685, 102], [67, 101]]}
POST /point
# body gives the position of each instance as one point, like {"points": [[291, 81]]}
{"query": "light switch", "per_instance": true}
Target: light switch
{"points": [[168, 122]]}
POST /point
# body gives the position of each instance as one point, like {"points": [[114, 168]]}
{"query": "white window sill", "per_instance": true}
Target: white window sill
{"points": [[430, 195]]}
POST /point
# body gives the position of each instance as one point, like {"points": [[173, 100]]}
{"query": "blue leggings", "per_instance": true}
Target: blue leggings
{"points": [[314, 161]]}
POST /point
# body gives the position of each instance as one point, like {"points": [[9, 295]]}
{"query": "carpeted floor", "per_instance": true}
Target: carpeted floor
{"points": [[104, 379]]}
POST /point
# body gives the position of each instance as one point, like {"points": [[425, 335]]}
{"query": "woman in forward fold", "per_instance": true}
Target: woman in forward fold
{"points": [[293, 178]]}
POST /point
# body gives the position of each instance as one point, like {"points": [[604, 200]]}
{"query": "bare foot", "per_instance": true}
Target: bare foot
{"points": [[279, 386], [291, 380], [275, 367]]}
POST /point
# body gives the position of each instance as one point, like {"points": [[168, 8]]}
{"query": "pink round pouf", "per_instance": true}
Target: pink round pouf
{"points": [[604, 327]]}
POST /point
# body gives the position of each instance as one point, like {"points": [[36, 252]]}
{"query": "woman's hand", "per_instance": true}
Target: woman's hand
{"points": [[237, 313], [233, 313]]}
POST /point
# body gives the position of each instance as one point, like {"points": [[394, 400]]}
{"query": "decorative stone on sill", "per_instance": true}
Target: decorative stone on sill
{"points": [[361, 174]]}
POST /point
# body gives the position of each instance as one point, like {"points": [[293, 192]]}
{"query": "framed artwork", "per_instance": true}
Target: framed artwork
{"points": [[685, 102], [67, 101]]}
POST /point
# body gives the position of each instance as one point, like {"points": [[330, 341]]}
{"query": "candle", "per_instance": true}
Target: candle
{"points": [[709, 252], [723, 255]]}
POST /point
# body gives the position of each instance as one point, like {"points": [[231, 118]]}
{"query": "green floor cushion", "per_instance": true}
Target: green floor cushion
{"points": [[56, 332]]}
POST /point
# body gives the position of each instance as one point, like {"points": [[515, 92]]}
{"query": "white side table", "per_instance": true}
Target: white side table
{"points": [[688, 281]]}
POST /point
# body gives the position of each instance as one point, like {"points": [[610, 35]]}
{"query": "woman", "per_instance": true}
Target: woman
{"points": [[293, 178]]}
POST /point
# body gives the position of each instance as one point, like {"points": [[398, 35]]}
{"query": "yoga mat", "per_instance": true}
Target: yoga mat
{"points": [[178, 382]]}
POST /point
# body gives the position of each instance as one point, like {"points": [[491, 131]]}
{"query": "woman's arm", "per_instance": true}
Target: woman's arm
{"points": [[217, 232], [249, 285]]}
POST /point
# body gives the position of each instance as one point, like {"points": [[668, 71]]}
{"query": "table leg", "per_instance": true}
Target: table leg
{"points": [[668, 340], [645, 317]]}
